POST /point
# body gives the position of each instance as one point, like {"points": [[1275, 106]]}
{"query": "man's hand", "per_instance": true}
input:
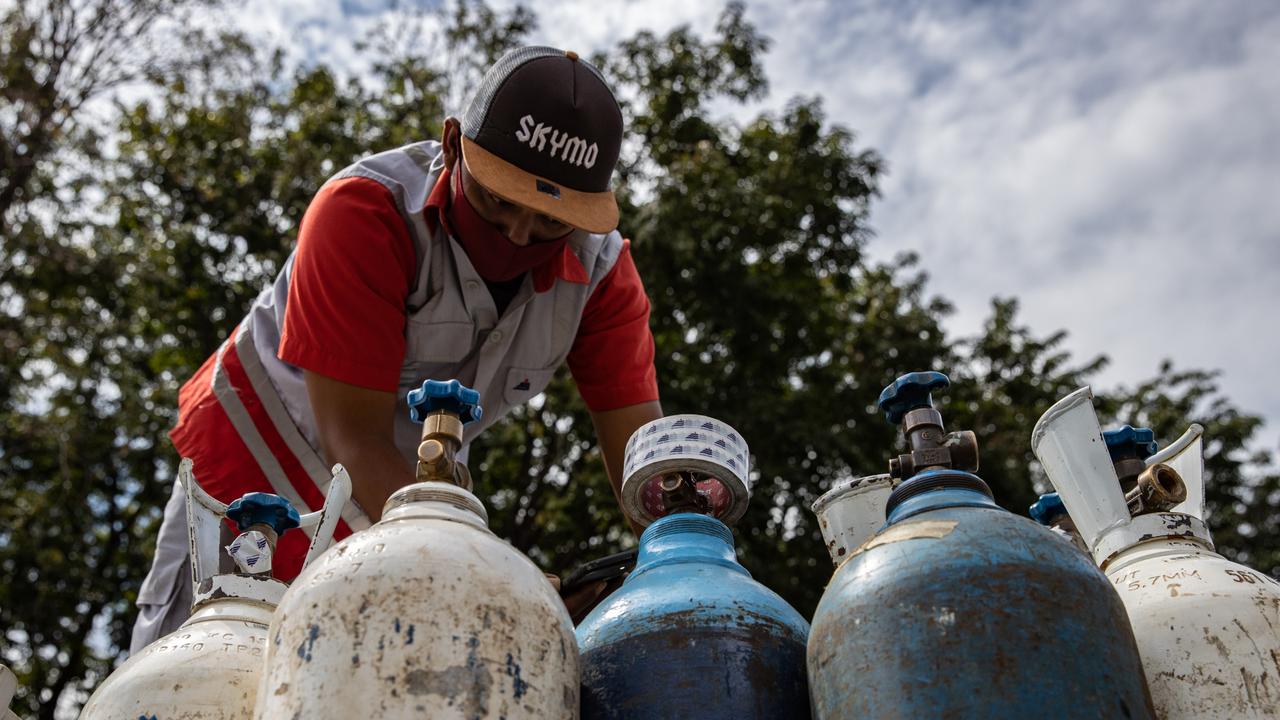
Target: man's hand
{"points": [[356, 429], [613, 430]]}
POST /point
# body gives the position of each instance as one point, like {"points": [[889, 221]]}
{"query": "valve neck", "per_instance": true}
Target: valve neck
{"points": [[1129, 448], [438, 500], [686, 538], [267, 531], [438, 451], [680, 494], [935, 490], [908, 402]]}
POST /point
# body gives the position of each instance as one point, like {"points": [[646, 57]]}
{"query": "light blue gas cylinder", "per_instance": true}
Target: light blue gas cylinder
{"points": [[690, 635], [958, 608]]}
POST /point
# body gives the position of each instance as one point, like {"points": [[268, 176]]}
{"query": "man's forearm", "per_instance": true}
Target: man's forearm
{"points": [[356, 429], [377, 470], [613, 430]]}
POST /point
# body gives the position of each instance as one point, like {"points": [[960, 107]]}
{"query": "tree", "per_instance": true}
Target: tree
{"points": [[72, 480], [1005, 378], [58, 56], [107, 311]]}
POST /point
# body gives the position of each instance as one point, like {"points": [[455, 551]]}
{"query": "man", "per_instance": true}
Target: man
{"points": [[490, 257]]}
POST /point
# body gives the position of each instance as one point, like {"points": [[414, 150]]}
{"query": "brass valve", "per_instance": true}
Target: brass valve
{"points": [[1157, 489], [444, 408], [441, 440]]}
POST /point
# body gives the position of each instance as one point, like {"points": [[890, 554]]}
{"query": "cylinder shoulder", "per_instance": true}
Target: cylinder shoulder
{"points": [[953, 542], [436, 554], [1201, 587], [212, 669], [688, 595]]}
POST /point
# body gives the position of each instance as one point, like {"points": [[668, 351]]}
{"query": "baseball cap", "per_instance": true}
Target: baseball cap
{"points": [[544, 131]]}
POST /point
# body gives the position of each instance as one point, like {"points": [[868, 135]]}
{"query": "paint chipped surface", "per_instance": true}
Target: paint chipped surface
{"points": [[994, 618], [304, 648], [518, 686], [1208, 630], [921, 529], [423, 618]]}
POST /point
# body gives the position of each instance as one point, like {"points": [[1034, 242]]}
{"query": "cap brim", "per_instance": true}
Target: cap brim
{"points": [[594, 212]]}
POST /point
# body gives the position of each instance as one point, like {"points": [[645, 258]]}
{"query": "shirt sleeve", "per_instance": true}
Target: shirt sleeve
{"points": [[612, 355], [345, 314]]}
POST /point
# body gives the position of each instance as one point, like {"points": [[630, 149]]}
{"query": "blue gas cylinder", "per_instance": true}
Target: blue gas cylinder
{"points": [[691, 635], [958, 608]]}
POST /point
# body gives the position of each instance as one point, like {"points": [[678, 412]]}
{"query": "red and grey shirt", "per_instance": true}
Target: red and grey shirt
{"points": [[378, 295]]}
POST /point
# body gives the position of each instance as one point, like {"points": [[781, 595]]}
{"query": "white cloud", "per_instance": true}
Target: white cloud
{"points": [[1111, 164]]}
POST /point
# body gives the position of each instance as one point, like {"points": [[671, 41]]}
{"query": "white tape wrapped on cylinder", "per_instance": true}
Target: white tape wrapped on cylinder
{"points": [[709, 448]]}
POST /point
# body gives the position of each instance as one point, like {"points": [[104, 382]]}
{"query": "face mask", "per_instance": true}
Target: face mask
{"points": [[494, 256]]}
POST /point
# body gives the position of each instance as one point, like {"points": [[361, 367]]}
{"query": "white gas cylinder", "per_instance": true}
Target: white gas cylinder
{"points": [[852, 511], [210, 667], [1208, 629], [427, 614]]}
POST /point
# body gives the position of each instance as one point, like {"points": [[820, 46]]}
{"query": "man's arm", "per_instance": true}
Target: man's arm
{"points": [[613, 430], [356, 429]]}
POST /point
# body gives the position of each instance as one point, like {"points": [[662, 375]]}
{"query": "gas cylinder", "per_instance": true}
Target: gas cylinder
{"points": [[958, 608], [1208, 629], [209, 668], [8, 685], [852, 511], [690, 634], [427, 614]]}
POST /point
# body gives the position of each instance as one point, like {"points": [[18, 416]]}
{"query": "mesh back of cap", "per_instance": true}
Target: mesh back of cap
{"points": [[497, 75]]}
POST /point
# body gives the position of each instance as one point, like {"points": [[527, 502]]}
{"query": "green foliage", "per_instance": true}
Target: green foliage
{"points": [[750, 238]]}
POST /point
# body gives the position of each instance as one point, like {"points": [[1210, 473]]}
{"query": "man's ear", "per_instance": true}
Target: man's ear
{"points": [[451, 140]]}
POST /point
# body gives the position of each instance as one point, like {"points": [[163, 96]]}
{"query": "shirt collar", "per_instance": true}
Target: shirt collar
{"points": [[437, 203], [564, 266]]}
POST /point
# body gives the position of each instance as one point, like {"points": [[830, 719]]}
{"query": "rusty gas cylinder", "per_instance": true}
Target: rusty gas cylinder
{"points": [[1208, 629], [690, 634], [426, 614], [210, 667], [958, 608]]}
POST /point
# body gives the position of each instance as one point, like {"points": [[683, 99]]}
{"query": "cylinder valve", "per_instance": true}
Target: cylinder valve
{"points": [[1147, 488], [261, 518], [908, 402], [443, 408]]}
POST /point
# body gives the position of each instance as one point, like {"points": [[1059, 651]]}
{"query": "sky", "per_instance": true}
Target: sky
{"points": [[1113, 165]]}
